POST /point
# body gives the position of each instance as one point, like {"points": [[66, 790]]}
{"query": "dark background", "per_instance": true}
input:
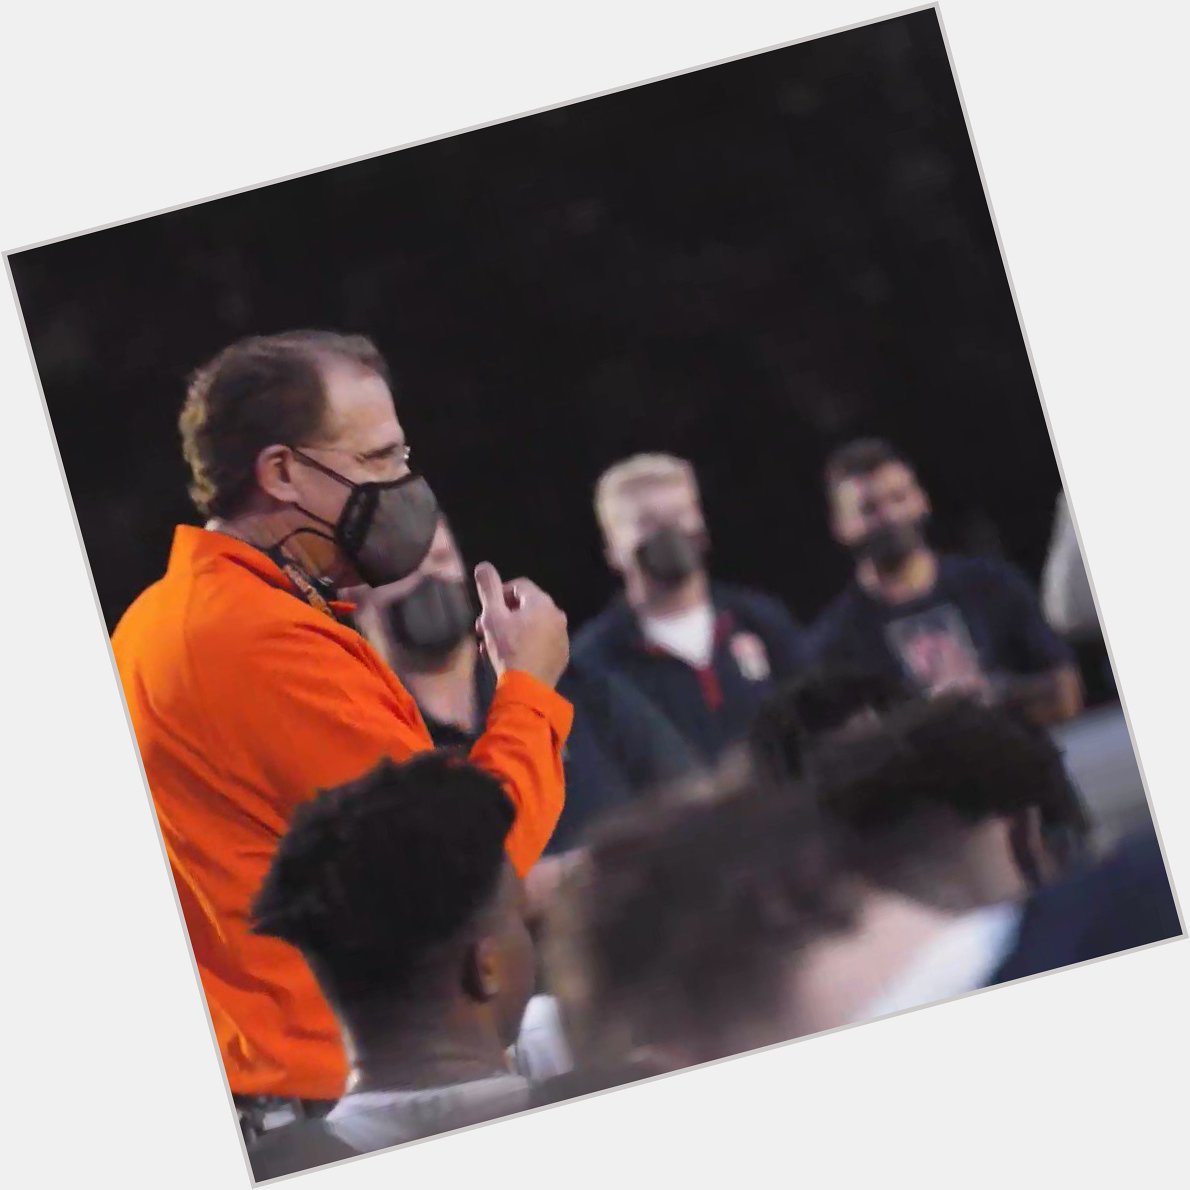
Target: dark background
{"points": [[744, 265]]}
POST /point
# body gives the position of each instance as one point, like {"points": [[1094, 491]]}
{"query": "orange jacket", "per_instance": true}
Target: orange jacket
{"points": [[246, 701]]}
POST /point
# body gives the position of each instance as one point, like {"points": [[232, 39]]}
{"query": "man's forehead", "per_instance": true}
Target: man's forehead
{"points": [[359, 407], [856, 488], [670, 492]]}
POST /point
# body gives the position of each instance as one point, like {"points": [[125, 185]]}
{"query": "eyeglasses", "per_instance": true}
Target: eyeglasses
{"points": [[399, 453]]}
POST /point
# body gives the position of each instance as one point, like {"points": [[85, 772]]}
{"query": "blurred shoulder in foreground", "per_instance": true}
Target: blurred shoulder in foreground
{"points": [[1124, 902]]}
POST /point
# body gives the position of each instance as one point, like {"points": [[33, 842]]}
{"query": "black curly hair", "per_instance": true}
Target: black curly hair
{"points": [[823, 699], [374, 877], [900, 790], [951, 751]]}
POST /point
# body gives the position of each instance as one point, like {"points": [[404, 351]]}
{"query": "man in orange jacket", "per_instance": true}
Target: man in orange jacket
{"points": [[248, 692]]}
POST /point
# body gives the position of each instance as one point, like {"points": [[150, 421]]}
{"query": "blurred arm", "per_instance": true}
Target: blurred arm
{"points": [[1048, 688], [527, 728], [1045, 698], [1065, 589]]}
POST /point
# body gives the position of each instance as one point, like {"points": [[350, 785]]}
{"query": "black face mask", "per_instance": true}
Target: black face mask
{"points": [[433, 619], [669, 556], [888, 546], [385, 529]]}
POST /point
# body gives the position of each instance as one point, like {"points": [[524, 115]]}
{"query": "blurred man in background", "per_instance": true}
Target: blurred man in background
{"points": [[427, 961], [703, 652], [900, 875], [836, 704], [938, 808], [684, 934], [1123, 902], [944, 622], [247, 692], [620, 746]]}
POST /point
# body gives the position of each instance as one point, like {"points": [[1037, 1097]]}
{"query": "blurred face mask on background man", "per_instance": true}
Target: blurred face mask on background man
{"points": [[888, 545], [434, 618], [670, 555], [881, 517]]}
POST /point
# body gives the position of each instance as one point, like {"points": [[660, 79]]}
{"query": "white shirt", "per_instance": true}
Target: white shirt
{"points": [[379, 1119], [541, 1050], [962, 958], [689, 636]]}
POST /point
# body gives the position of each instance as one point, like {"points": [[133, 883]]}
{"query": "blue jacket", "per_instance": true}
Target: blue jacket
{"points": [[1124, 902], [757, 644]]}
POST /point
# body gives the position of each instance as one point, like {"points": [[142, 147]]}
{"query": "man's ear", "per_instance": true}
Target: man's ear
{"points": [[274, 466], [481, 971], [1028, 845]]}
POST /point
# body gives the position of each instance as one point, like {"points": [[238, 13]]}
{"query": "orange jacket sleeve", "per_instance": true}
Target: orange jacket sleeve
{"points": [[528, 724], [332, 710]]}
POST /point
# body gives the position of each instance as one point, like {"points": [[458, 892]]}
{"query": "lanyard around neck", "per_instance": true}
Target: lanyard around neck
{"points": [[308, 589]]}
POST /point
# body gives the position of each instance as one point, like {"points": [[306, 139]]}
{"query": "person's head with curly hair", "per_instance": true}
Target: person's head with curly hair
{"points": [[397, 891], [822, 702], [944, 800]]}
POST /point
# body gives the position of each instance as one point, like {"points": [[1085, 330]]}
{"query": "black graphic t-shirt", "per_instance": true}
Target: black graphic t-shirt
{"points": [[981, 618]]}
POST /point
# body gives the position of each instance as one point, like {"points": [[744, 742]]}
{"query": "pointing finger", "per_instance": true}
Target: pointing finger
{"points": [[489, 587]]}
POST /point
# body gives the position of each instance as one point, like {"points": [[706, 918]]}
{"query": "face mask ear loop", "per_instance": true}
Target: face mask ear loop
{"points": [[329, 536], [305, 458], [349, 483]]}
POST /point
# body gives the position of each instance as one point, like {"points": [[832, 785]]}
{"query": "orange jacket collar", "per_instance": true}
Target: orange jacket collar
{"points": [[193, 547]]}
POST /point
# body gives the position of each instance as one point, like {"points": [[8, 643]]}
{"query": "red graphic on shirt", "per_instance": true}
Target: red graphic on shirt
{"points": [[937, 659], [937, 651], [751, 656]]}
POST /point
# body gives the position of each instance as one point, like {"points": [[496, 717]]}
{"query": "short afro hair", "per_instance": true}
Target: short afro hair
{"points": [[978, 761], [906, 790], [372, 878], [821, 700]]}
